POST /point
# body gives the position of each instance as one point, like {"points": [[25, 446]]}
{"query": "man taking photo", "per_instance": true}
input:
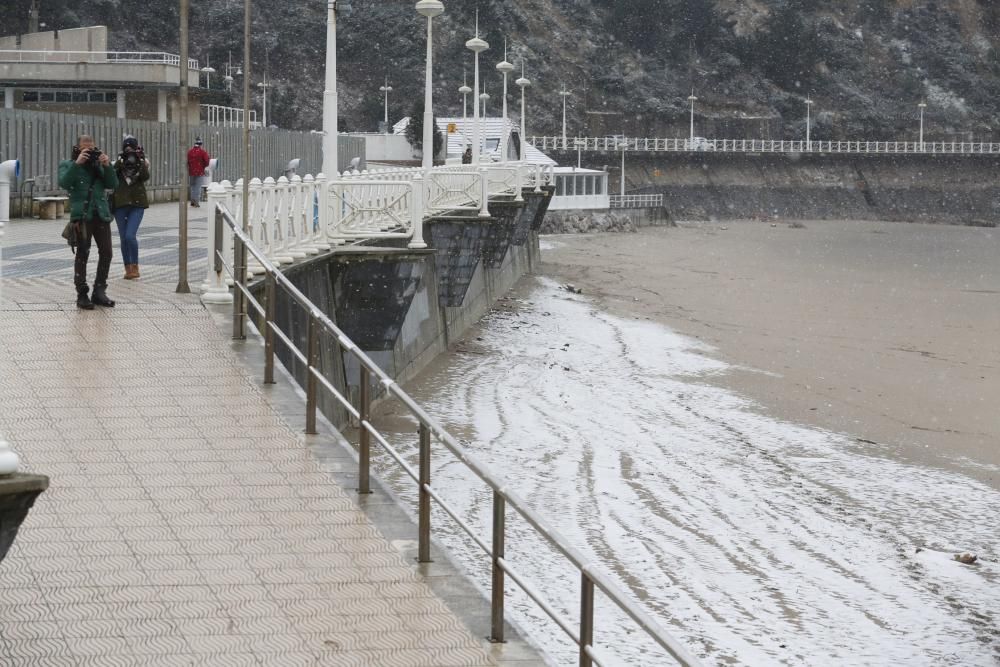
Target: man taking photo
{"points": [[85, 178]]}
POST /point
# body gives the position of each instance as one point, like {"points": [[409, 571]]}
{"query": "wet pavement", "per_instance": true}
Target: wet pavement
{"points": [[187, 522]]}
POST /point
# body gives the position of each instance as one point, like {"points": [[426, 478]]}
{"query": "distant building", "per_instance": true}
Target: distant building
{"points": [[393, 147], [72, 71]]}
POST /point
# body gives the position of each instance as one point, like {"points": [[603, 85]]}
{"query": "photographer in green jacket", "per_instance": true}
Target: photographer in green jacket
{"points": [[85, 178]]}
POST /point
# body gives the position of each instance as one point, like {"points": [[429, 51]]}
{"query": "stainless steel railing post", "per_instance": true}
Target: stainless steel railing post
{"points": [[240, 279], [586, 619], [496, 606], [217, 260], [312, 356], [270, 294], [424, 511], [365, 439]]}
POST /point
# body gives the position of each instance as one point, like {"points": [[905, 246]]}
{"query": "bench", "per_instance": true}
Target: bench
{"points": [[51, 208]]}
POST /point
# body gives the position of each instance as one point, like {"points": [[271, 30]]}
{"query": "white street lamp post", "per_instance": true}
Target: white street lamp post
{"points": [[330, 120], [386, 89], [430, 9], [484, 98], [504, 68], [565, 93], [623, 146], [523, 84], [922, 106], [809, 104], [263, 85], [692, 99], [208, 71], [477, 45], [465, 90]]}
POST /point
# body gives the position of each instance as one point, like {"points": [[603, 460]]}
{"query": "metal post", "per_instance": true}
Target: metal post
{"points": [[365, 439], [623, 173], [496, 608], [429, 129], [182, 106], [330, 121], [424, 511], [239, 299], [312, 358], [270, 306], [246, 120], [586, 619]]}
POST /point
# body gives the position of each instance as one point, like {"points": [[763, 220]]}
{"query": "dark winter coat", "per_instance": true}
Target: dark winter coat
{"points": [[134, 193], [197, 161], [80, 182]]}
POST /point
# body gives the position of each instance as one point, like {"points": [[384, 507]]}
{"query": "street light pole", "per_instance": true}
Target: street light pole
{"points": [[430, 9], [692, 99], [484, 97], [504, 68], [565, 93], [386, 89], [263, 86], [922, 105], [523, 84], [477, 45], [809, 104], [465, 90], [622, 187], [182, 107], [330, 120]]}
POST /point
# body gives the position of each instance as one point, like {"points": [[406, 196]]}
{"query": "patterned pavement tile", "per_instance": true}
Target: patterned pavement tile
{"points": [[186, 523]]}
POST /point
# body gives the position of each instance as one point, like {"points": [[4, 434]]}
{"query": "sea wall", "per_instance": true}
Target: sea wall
{"points": [[907, 188], [403, 307]]}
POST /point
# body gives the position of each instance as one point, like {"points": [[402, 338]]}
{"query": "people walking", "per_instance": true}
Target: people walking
{"points": [[198, 159], [85, 178], [130, 201]]}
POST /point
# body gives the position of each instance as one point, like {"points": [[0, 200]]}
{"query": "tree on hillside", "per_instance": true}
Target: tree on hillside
{"points": [[415, 130]]}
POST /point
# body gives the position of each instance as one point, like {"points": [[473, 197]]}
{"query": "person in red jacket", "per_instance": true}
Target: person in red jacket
{"points": [[197, 163]]}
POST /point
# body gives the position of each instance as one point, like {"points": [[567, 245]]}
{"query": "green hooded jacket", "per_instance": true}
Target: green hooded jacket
{"points": [[78, 182], [134, 193]]}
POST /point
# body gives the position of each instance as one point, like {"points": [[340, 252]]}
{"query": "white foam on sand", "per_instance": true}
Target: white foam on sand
{"points": [[753, 540]]}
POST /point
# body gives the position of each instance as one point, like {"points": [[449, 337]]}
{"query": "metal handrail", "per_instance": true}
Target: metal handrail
{"points": [[590, 576], [98, 57], [674, 145]]}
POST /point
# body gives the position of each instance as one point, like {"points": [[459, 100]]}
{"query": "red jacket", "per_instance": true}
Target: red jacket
{"points": [[197, 161]]}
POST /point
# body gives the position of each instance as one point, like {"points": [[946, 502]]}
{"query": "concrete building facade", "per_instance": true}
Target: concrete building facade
{"points": [[72, 71]]}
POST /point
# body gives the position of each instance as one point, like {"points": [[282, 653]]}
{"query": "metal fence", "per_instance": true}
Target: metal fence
{"points": [[636, 201], [41, 140], [321, 330], [699, 144]]}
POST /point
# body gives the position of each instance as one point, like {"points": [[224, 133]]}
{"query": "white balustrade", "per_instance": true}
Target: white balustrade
{"points": [[9, 461], [215, 289]]}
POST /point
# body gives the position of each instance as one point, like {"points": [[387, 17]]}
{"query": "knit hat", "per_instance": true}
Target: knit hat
{"points": [[197, 142], [130, 141]]}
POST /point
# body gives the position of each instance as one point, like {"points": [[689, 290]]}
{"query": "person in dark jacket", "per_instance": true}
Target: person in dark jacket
{"points": [[131, 202], [85, 178], [198, 159]]}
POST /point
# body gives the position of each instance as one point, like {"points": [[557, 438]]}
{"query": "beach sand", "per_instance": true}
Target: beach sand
{"points": [[886, 332]]}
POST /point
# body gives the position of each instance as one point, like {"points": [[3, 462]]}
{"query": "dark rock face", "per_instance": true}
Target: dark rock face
{"points": [[17, 496], [585, 222], [752, 64]]}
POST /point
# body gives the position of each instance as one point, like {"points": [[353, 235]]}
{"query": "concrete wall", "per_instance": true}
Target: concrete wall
{"points": [[946, 189], [389, 301]]}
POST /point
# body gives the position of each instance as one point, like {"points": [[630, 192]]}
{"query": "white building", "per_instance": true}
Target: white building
{"points": [[580, 189]]}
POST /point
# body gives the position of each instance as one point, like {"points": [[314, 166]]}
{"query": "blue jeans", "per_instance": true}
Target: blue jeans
{"points": [[129, 218], [196, 188]]}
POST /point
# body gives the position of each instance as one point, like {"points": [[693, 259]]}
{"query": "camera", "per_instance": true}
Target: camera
{"points": [[94, 157]]}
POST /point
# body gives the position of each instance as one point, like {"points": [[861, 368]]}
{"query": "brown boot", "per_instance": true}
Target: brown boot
{"points": [[135, 271], [131, 271]]}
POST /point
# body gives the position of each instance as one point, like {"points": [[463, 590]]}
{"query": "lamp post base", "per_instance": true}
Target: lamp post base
{"points": [[17, 496]]}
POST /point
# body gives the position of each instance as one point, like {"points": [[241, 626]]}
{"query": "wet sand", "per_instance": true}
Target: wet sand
{"points": [[886, 332]]}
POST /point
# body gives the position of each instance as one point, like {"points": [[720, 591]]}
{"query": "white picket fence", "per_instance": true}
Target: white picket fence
{"points": [[291, 219]]}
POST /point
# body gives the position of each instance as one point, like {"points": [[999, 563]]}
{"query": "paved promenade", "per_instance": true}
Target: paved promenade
{"points": [[186, 523]]}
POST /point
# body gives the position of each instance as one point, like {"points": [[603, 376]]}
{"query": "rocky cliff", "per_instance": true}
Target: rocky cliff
{"points": [[630, 63]]}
